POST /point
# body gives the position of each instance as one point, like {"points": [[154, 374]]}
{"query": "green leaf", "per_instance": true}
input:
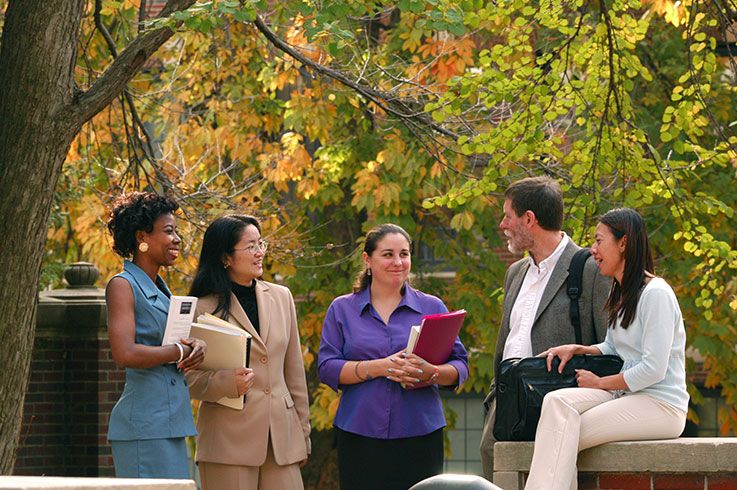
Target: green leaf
{"points": [[192, 22], [205, 25], [226, 9], [417, 6], [457, 29], [245, 15], [454, 16], [333, 49], [472, 20], [306, 9], [438, 116]]}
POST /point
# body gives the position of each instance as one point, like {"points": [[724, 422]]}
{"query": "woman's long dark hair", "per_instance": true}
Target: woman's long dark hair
{"points": [[372, 239], [638, 259], [212, 277]]}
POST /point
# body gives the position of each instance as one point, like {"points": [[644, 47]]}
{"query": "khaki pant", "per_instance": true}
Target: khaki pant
{"points": [[574, 419], [268, 476], [487, 442]]}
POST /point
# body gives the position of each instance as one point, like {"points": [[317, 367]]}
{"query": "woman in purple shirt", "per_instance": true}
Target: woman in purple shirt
{"points": [[388, 437]]}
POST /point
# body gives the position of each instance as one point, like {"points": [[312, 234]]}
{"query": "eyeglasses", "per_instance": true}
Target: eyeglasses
{"points": [[261, 246]]}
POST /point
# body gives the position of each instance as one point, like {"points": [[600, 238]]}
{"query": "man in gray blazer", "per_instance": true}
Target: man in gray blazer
{"points": [[535, 311]]}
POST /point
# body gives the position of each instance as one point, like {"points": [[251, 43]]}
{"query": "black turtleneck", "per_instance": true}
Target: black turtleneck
{"points": [[247, 298]]}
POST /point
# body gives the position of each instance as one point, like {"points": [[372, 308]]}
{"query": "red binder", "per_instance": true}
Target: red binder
{"points": [[437, 335]]}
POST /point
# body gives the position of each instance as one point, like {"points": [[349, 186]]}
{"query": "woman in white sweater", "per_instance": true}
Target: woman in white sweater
{"points": [[648, 398]]}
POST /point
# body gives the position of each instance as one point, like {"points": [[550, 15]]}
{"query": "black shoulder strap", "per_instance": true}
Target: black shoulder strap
{"points": [[575, 283]]}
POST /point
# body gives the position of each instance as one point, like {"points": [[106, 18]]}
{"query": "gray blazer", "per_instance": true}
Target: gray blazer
{"points": [[552, 324]]}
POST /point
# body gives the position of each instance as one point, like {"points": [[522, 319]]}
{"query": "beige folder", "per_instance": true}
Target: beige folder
{"points": [[227, 348]]}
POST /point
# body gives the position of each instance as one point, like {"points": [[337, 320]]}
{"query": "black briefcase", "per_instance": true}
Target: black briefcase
{"points": [[523, 382]]}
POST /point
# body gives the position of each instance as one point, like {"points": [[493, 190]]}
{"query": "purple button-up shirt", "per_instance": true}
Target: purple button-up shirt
{"points": [[381, 408]]}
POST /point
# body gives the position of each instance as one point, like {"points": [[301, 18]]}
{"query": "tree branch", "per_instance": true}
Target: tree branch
{"points": [[145, 142], [388, 103], [114, 80]]}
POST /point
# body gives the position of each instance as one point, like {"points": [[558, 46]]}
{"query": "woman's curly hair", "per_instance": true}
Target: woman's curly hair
{"points": [[133, 212]]}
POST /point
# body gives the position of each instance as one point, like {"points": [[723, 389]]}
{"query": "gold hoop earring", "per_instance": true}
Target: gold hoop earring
{"points": [[143, 247]]}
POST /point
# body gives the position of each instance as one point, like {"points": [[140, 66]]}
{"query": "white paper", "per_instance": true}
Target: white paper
{"points": [[414, 334], [179, 319]]}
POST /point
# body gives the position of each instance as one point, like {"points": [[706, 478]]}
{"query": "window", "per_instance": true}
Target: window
{"points": [[465, 438]]}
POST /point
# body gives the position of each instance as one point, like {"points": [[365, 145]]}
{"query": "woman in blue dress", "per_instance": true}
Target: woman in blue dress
{"points": [[149, 423]]}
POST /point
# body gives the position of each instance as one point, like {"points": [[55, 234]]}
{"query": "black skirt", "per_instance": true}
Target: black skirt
{"points": [[387, 464]]}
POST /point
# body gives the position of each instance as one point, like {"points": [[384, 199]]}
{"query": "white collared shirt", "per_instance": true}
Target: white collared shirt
{"points": [[519, 341]]}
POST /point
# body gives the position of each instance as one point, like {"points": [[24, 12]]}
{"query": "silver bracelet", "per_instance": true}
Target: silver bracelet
{"points": [[368, 376], [355, 369], [181, 353]]}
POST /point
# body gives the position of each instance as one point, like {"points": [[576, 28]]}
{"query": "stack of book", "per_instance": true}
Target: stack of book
{"points": [[434, 338], [228, 347]]}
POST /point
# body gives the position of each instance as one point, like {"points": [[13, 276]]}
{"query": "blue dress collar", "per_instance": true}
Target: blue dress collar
{"points": [[145, 283]]}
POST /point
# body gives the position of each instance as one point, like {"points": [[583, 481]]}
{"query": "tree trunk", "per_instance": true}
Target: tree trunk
{"points": [[39, 48], [41, 111]]}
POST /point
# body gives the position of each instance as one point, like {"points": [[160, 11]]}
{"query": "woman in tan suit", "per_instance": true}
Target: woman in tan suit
{"points": [[263, 445]]}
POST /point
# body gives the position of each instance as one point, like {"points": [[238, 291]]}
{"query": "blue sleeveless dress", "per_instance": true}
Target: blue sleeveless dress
{"points": [[153, 415]]}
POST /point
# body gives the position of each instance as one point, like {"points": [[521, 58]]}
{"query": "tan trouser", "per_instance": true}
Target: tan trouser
{"points": [[574, 419], [268, 476], [487, 443]]}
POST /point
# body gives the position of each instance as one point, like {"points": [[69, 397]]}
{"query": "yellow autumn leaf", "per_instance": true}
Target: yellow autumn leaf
{"points": [[290, 141]]}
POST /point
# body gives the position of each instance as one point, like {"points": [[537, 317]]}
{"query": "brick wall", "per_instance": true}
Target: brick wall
{"points": [[154, 7], [505, 255], [640, 481], [42, 430], [73, 387], [686, 463]]}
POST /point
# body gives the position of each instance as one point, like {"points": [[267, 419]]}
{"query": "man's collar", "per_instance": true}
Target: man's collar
{"points": [[549, 262]]}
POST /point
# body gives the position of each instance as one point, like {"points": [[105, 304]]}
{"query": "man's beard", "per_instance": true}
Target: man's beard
{"points": [[521, 243]]}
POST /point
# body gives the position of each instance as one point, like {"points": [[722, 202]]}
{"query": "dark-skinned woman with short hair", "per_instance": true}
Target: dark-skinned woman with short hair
{"points": [[149, 423]]}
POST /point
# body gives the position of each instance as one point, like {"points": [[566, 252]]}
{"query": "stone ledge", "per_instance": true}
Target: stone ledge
{"points": [[683, 455], [71, 483]]}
